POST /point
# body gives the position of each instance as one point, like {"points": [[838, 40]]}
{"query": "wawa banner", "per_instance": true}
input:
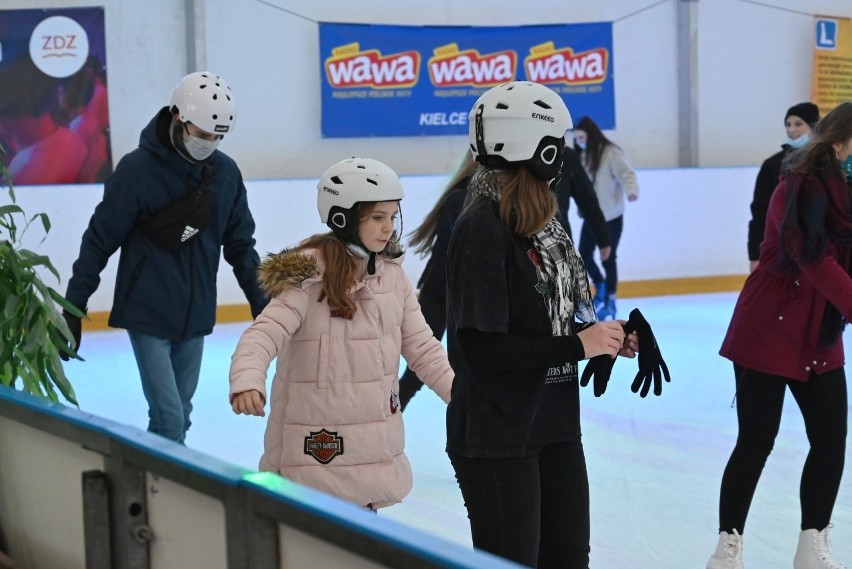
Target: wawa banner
{"points": [[410, 81]]}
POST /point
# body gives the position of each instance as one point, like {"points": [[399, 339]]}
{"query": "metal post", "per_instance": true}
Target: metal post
{"points": [[252, 539], [687, 82], [96, 520], [131, 534], [196, 36]]}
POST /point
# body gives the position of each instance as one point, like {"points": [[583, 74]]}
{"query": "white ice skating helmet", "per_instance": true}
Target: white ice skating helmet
{"points": [[352, 181], [205, 100], [520, 122]]}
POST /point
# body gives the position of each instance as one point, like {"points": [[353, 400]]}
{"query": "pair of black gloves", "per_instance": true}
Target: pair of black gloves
{"points": [[652, 368]]}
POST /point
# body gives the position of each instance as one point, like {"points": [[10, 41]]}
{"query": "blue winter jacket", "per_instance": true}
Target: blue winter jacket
{"points": [[164, 294]]}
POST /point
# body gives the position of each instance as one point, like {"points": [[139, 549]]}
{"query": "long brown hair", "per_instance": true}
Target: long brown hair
{"points": [[423, 238], [341, 268], [527, 203], [819, 155], [596, 143]]}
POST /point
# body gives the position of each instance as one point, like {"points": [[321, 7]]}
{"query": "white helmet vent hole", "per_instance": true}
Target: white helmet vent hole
{"points": [[336, 180], [498, 147], [202, 86], [215, 96], [542, 104], [502, 106], [372, 181]]}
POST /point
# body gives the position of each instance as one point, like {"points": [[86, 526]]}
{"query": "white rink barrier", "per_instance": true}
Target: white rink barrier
{"points": [[81, 492]]}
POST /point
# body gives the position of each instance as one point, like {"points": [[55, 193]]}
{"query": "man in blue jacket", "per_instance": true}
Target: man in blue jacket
{"points": [[172, 205]]}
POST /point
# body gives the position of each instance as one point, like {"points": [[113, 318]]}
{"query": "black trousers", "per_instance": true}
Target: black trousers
{"points": [[587, 252], [822, 401], [532, 510], [434, 309]]}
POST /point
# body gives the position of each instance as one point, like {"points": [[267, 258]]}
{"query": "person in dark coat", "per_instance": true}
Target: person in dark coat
{"points": [[786, 333], [432, 238], [166, 297], [799, 122], [573, 182]]}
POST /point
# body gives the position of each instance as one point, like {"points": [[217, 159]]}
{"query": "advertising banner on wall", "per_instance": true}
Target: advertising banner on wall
{"points": [[54, 116], [832, 75], [411, 81]]}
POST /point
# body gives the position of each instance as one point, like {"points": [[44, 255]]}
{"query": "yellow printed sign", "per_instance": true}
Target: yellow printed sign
{"points": [[832, 76]]}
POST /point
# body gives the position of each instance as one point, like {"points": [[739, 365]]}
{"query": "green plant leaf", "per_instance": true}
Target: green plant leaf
{"points": [[66, 305], [54, 368], [32, 331], [35, 260], [64, 344], [10, 209], [45, 222], [12, 303], [7, 373]]}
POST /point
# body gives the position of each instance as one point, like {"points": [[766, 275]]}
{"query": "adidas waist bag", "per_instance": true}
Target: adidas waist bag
{"points": [[181, 222]]}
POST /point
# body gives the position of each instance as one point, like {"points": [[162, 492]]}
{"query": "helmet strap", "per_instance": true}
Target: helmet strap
{"points": [[357, 249], [481, 152], [344, 226], [176, 136]]}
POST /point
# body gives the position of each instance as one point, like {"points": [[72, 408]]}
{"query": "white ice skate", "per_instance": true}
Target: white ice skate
{"points": [[813, 551], [729, 552]]}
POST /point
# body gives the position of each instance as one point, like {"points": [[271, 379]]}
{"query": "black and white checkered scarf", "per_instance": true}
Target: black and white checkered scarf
{"points": [[569, 297]]}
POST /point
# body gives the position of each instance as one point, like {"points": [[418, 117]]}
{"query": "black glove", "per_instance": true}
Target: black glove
{"points": [[651, 364], [600, 367], [75, 325]]}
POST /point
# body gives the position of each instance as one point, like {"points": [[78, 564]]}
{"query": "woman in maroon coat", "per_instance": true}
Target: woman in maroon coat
{"points": [[786, 333]]}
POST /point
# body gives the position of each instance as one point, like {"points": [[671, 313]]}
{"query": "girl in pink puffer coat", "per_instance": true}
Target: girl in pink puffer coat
{"points": [[341, 312]]}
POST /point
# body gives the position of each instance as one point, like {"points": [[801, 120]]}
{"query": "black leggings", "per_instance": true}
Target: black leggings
{"points": [[587, 252], [532, 510], [434, 309], [822, 400]]}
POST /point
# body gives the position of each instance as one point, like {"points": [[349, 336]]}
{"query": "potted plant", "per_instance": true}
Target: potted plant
{"points": [[33, 332]]}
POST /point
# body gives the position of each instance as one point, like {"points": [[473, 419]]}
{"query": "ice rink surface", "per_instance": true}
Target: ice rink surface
{"points": [[655, 464]]}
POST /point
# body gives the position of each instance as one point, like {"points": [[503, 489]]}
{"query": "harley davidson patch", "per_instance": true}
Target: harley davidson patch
{"points": [[323, 445]]}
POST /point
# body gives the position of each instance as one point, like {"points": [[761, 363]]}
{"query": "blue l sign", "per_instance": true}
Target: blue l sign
{"points": [[826, 34]]}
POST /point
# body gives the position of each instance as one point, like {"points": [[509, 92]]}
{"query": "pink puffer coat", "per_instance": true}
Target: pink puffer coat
{"points": [[334, 422]]}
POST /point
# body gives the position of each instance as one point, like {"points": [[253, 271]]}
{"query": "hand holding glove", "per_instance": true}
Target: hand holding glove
{"points": [[652, 368], [599, 367]]}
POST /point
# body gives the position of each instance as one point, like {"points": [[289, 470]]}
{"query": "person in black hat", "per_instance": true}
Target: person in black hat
{"points": [[799, 122]]}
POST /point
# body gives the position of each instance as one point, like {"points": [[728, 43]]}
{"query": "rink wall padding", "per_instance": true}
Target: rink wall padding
{"points": [[81, 492], [686, 234]]}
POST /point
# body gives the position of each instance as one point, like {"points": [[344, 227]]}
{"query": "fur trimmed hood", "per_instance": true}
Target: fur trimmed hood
{"points": [[296, 267], [289, 268]]}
